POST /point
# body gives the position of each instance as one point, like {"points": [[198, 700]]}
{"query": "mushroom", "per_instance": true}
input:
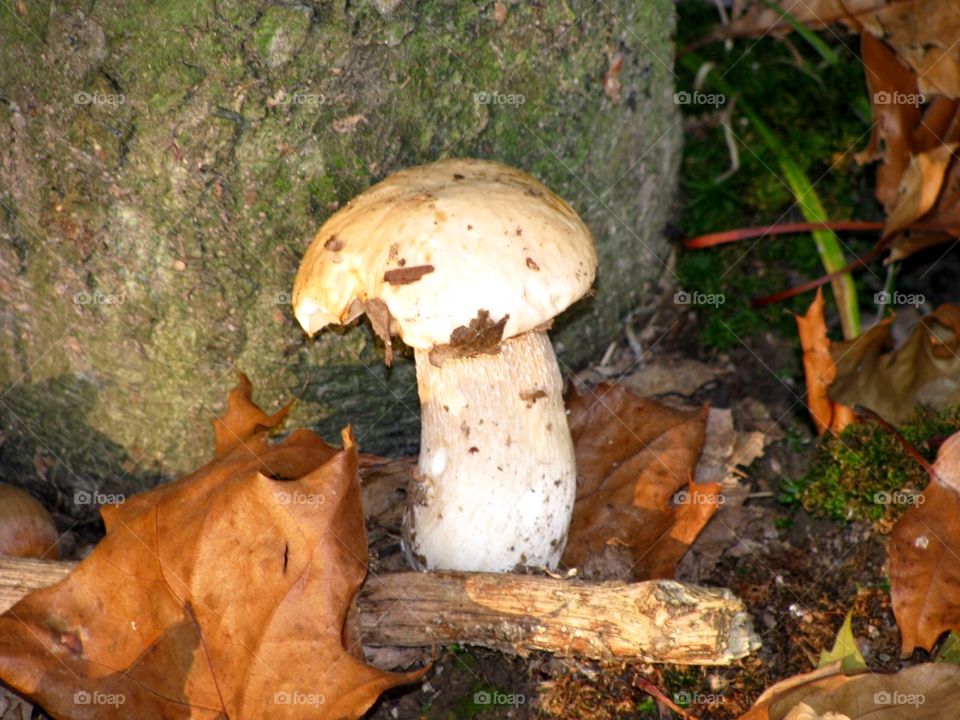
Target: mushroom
{"points": [[468, 261], [26, 528]]}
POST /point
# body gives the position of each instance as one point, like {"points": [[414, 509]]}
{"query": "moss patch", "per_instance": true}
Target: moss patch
{"points": [[864, 474]]}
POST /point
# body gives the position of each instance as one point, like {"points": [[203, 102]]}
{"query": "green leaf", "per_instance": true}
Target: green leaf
{"points": [[949, 652], [844, 649], [812, 39]]}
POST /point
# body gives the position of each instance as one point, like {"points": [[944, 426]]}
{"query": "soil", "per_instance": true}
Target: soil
{"points": [[798, 575]]}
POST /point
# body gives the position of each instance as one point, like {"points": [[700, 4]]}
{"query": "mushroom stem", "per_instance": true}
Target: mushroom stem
{"points": [[496, 476]]}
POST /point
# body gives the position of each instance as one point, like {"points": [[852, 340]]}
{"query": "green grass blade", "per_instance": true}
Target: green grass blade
{"points": [[813, 40], [827, 242]]}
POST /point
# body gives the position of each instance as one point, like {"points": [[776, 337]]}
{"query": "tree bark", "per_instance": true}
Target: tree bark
{"points": [[659, 621], [163, 167]]}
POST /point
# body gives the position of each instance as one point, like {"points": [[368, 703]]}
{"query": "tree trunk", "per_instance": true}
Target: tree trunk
{"points": [[164, 165]]}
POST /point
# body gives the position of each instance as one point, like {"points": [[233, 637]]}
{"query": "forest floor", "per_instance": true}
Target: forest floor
{"points": [[798, 575]]}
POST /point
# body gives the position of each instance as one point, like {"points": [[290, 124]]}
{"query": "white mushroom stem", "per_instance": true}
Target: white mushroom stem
{"points": [[497, 477]]}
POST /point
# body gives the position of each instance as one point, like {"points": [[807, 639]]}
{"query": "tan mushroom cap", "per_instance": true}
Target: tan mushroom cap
{"points": [[440, 243]]}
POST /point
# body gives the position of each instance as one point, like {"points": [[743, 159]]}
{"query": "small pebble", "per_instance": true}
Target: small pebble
{"points": [[718, 683]]}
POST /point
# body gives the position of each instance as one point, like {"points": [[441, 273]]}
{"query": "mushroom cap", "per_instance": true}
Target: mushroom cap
{"points": [[440, 244]]}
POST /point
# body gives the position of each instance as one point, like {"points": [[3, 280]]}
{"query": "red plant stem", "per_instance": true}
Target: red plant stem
{"points": [[651, 689], [856, 264], [864, 413], [729, 236]]}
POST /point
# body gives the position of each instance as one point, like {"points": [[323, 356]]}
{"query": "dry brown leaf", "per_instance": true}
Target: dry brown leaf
{"points": [[724, 448], [223, 594], [944, 214], [243, 418], [925, 557], [912, 58], [922, 692], [635, 461], [893, 122], [925, 370], [924, 33], [754, 17], [672, 375], [819, 370], [906, 134], [919, 187]]}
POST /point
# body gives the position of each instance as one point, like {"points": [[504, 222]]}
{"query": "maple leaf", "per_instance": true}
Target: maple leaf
{"points": [[223, 594], [635, 461], [924, 370]]}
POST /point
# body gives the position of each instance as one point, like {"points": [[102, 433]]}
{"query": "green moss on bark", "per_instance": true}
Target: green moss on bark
{"points": [[213, 139]]}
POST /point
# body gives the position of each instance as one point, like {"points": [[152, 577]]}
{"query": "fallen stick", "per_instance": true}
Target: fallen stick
{"points": [[658, 621]]}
